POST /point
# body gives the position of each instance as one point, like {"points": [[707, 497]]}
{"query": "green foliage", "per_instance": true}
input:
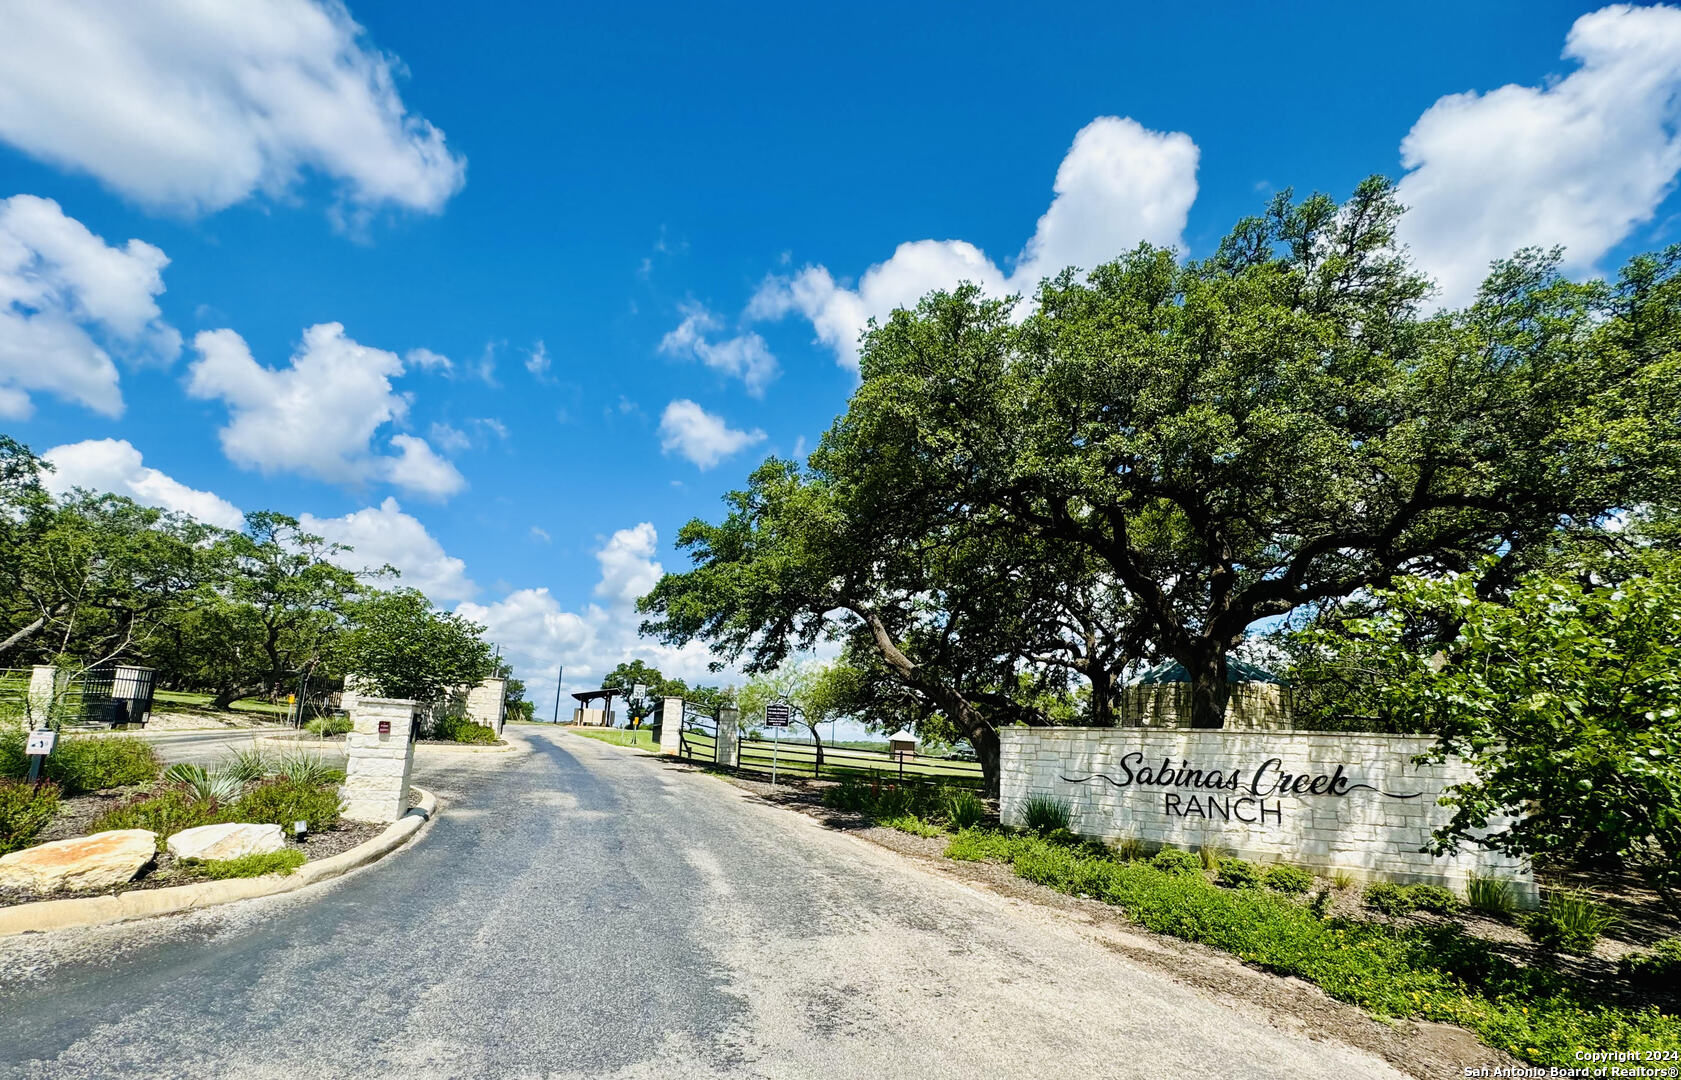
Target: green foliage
{"points": [[1566, 699], [305, 768], [455, 728], [1210, 854], [83, 763], [283, 802], [1342, 879], [912, 824], [1435, 899], [1658, 969], [280, 862], [1434, 972], [1569, 921], [1239, 874], [248, 765], [1290, 880], [1130, 848], [964, 809], [24, 812], [1491, 896], [405, 648], [1174, 861], [1393, 899], [328, 726], [164, 814], [1044, 814]]}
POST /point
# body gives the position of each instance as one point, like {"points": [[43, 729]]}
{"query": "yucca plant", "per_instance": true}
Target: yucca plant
{"points": [[248, 764], [184, 772], [304, 769]]}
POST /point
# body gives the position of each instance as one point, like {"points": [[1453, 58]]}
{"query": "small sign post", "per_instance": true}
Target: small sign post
{"points": [[777, 716], [37, 747]]}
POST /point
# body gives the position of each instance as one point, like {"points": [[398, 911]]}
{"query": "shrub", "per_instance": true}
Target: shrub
{"points": [[24, 812], [1174, 861], [164, 814], [328, 726], [304, 769], [280, 862], [249, 765], [283, 802], [964, 809], [1130, 849], [912, 824], [97, 762], [1659, 968], [1569, 921], [1210, 856], [1239, 874], [852, 794], [1491, 896], [1043, 814], [459, 729], [1434, 899], [1388, 897], [1320, 903], [1290, 880]]}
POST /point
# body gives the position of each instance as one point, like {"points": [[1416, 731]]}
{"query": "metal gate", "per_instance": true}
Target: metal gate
{"points": [[698, 738]]}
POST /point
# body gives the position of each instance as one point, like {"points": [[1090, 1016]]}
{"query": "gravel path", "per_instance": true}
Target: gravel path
{"points": [[579, 911]]}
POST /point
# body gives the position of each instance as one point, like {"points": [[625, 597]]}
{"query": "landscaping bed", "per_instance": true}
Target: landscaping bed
{"points": [[1510, 983]]}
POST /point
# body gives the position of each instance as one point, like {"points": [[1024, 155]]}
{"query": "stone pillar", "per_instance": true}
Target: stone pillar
{"points": [[729, 736], [43, 691], [378, 762], [487, 704], [671, 725]]}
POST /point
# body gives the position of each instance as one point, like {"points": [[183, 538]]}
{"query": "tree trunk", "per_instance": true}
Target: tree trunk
{"points": [[225, 697], [984, 738], [817, 740], [1209, 689]]}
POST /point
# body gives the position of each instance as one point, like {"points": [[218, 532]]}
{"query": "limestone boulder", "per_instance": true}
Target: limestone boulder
{"points": [[84, 862], [231, 840]]}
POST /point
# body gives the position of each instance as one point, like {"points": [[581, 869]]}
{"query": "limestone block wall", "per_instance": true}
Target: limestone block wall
{"points": [[727, 751], [486, 705], [378, 764], [1253, 706], [1324, 801], [671, 725]]}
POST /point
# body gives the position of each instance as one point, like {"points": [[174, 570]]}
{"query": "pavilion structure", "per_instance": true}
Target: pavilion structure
{"points": [[595, 707]]}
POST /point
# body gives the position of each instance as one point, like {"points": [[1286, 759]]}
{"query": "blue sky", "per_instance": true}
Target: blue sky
{"points": [[587, 267]]}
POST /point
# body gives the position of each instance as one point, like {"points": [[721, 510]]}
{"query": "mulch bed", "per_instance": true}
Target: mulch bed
{"points": [[76, 815]]}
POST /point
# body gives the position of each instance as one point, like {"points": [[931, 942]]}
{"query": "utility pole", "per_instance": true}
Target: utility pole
{"points": [[560, 676]]}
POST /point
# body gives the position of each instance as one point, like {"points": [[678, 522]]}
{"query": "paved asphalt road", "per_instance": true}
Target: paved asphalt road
{"points": [[583, 911]]}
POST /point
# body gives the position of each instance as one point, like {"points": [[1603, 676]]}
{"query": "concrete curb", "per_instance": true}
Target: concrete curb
{"points": [[44, 915]]}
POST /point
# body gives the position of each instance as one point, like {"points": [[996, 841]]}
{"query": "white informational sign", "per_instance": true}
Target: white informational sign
{"points": [[40, 743], [778, 714]]}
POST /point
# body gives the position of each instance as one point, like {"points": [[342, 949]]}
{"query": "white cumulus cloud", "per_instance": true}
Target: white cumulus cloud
{"points": [[744, 356], [1579, 162], [1120, 183], [700, 436], [318, 415], [67, 301], [192, 106], [386, 535], [114, 465]]}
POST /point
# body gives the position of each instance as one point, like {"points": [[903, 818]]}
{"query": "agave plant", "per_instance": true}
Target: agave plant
{"points": [[202, 785], [247, 765], [184, 772], [305, 769]]}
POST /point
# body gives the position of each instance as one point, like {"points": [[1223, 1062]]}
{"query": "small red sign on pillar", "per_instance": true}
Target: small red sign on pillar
{"points": [[385, 727]]}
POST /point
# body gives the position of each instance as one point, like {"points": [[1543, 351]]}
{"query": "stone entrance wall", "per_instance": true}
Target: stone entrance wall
{"points": [[1323, 801]]}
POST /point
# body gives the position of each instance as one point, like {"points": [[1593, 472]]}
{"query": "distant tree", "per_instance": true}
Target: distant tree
{"points": [[405, 648], [820, 694]]}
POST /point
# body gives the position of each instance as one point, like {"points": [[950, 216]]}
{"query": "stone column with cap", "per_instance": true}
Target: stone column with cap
{"points": [[380, 757], [671, 726], [729, 736]]}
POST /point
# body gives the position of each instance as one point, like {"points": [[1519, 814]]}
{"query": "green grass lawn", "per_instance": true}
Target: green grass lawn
{"points": [[186, 702], [641, 739]]}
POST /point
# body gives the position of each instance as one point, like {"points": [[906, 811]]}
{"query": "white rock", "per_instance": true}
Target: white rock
{"points": [[228, 841], [83, 862]]}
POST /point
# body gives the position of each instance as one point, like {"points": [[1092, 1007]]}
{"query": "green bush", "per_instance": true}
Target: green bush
{"points": [[24, 812], [1569, 921], [1290, 880], [1239, 874], [280, 862], [283, 802], [1660, 968], [1434, 899], [328, 726], [912, 824], [1491, 896], [82, 763], [852, 795], [1393, 899], [1431, 972], [1211, 856], [1174, 861], [1130, 848], [1043, 814], [459, 729], [964, 809], [164, 814]]}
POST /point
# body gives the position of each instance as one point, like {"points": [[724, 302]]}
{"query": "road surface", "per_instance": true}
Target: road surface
{"points": [[580, 910]]}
